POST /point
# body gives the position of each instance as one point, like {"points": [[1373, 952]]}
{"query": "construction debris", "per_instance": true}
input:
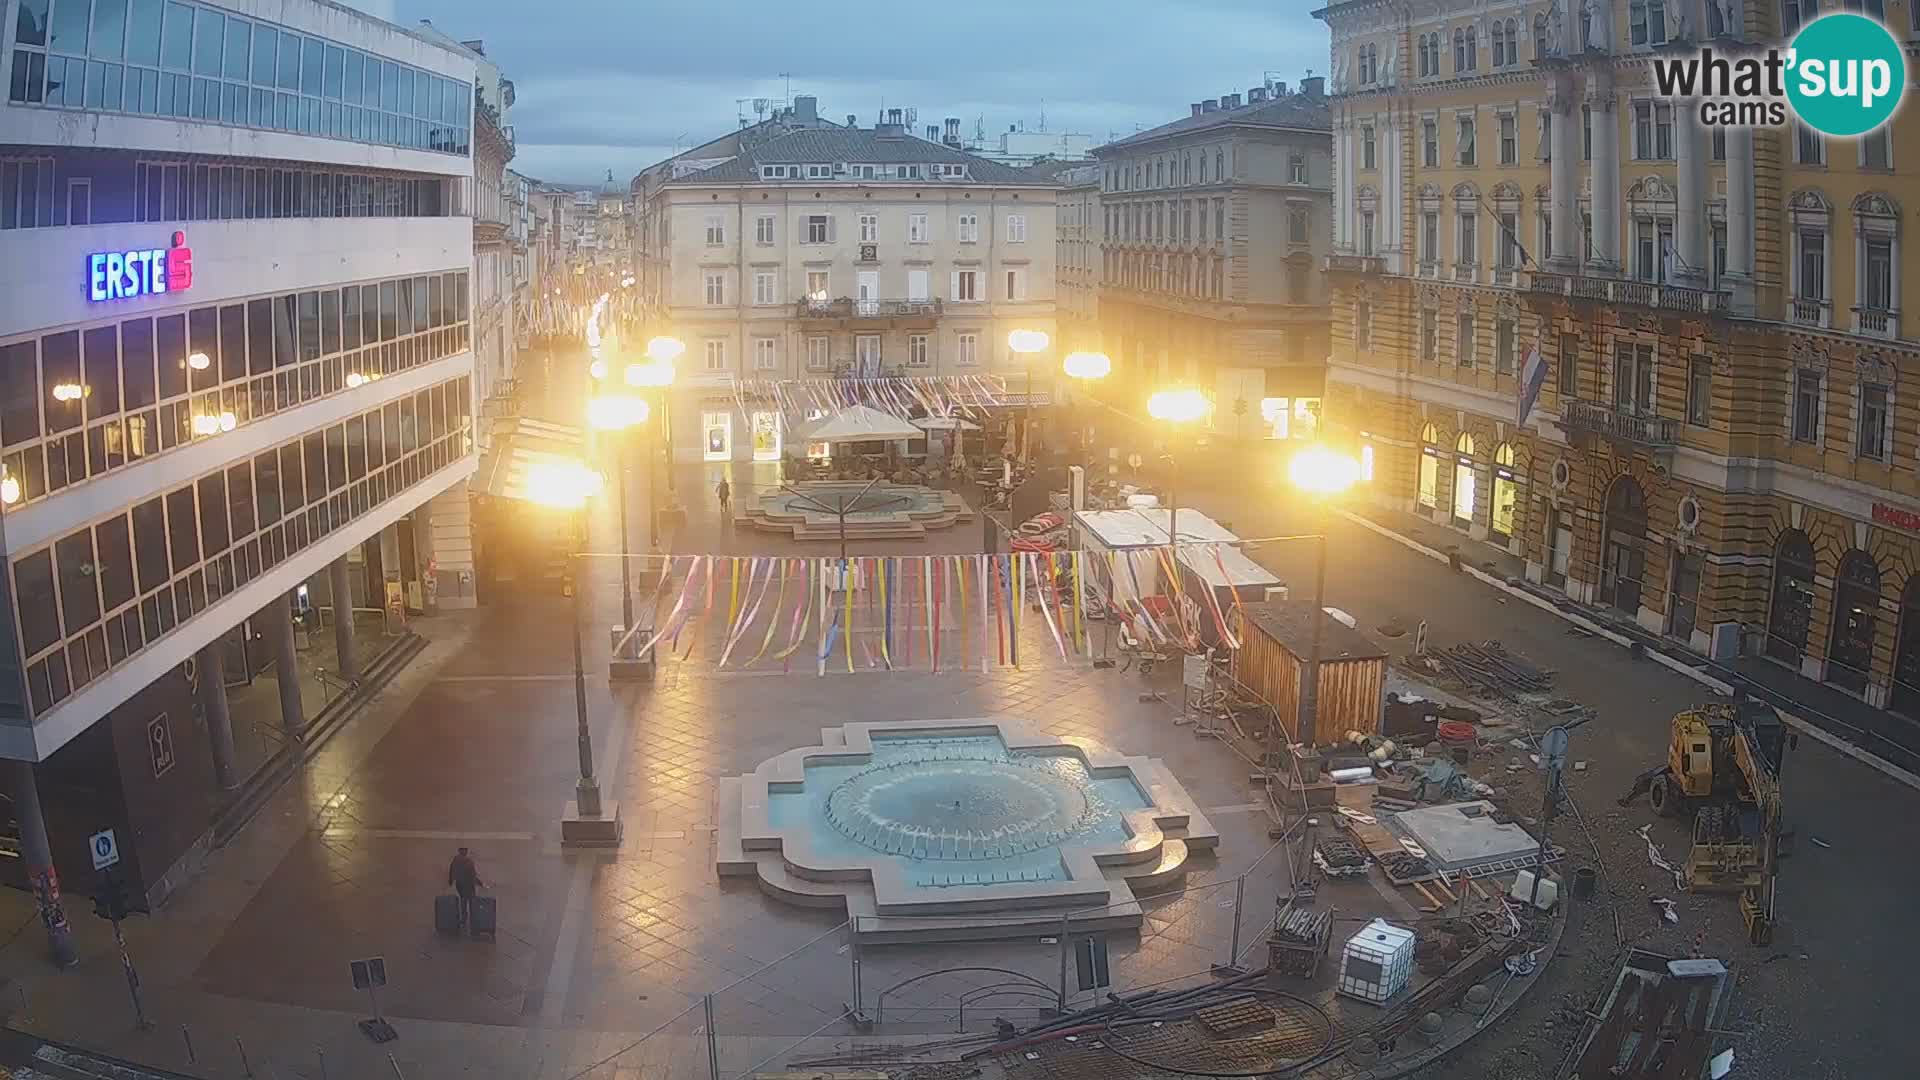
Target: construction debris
{"points": [[1490, 668]]}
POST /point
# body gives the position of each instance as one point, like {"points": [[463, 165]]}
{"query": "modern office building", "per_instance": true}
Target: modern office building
{"points": [[234, 366], [1721, 449], [824, 251]]}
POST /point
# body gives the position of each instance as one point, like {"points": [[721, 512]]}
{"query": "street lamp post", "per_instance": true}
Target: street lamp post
{"points": [[1175, 407], [618, 414], [1086, 368], [1027, 344], [1321, 474]]}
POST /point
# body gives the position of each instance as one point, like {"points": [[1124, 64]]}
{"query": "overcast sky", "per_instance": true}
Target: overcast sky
{"points": [[607, 84]]}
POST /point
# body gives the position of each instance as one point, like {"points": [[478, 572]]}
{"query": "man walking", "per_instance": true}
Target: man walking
{"points": [[464, 876], [726, 498]]}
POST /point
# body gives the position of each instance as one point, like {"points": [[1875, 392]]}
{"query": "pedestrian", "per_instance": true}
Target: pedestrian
{"points": [[726, 496], [464, 876]]}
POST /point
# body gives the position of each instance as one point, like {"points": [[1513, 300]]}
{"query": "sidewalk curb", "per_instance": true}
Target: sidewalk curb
{"points": [[1724, 689]]}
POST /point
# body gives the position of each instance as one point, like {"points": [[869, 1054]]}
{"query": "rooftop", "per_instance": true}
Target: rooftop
{"points": [[1297, 112], [1289, 625], [863, 146]]}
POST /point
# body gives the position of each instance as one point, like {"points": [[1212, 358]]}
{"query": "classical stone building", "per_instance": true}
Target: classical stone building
{"points": [[1719, 446], [1214, 231]]}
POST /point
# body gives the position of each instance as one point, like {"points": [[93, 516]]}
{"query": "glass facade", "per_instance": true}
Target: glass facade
{"points": [[92, 599], [80, 402], [194, 62]]}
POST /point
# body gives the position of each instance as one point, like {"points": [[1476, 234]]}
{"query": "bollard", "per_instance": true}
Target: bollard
{"points": [[245, 1065], [187, 1037], [323, 1062]]}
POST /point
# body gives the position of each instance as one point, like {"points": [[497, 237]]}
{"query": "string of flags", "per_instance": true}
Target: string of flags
{"points": [[902, 395], [943, 612]]}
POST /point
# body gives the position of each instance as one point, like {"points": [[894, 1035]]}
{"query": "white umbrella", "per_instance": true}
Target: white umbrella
{"points": [[945, 423], [862, 423]]}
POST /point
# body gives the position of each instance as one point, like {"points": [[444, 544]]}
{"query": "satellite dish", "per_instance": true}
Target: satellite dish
{"points": [[1553, 749]]}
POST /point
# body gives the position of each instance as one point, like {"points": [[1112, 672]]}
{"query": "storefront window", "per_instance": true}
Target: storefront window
{"points": [[1506, 492], [1856, 608], [1429, 467], [1464, 482], [1291, 418], [766, 436], [1792, 609], [718, 427]]}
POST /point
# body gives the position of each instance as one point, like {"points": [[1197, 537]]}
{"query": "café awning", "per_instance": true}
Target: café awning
{"points": [[518, 444], [862, 423]]}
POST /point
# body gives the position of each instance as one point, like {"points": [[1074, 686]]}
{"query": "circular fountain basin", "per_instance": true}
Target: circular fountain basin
{"points": [[965, 809]]}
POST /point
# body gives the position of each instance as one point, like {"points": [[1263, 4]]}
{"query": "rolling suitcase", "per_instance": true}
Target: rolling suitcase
{"points": [[446, 914], [481, 915]]}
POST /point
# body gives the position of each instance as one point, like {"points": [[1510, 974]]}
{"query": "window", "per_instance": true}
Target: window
{"points": [[869, 228], [1790, 15], [819, 354], [763, 288], [1220, 219], [765, 354], [1540, 36], [1874, 152], [966, 350], [966, 285], [1812, 283], [1296, 167], [1366, 147], [1362, 326], [1430, 236], [817, 288], [1468, 252], [716, 354], [1647, 22], [1809, 149], [917, 229], [969, 228], [1497, 36], [1509, 140], [1569, 372], [716, 230], [819, 172], [1633, 378], [1719, 242], [1504, 334], [1653, 131], [1663, 131], [1463, 339], [917, 355], [1876, 283], [1016, 284], [1429, 335], [1463, 50], [819, 228], [1806, 406], [1297, 219], [1586, 133], [1871, 440], [1429, 144], [1366, 232], [1509, 257], [1463, 141], [1699, 390], [763, 230], [716, 288], [1016, 228]]}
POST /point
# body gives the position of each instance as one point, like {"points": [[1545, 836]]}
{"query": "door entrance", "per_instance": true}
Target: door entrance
{"points": [[1623, 557], [1906, 653], [867, 292], [1685, 596], [1559, 549]]}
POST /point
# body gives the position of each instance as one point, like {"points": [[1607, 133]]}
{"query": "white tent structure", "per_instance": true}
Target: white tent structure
{"points": [[945, 423], [862, 423]]}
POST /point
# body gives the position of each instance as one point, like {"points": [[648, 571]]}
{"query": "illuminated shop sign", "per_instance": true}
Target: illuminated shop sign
{"points": [[123, 275]]}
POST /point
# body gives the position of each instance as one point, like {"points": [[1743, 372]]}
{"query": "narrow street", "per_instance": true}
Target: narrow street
{"points": [[1843, 890]]}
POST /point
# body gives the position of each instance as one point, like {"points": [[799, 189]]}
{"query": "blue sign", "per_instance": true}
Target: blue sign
{"points": [[123, 275]]}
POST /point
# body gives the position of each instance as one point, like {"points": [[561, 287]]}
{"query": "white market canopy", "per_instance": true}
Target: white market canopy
{"points": [[862, 423], [945, 423]]}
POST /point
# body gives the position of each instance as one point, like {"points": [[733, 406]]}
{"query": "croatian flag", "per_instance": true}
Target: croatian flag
{"points": [[1533, 375]]}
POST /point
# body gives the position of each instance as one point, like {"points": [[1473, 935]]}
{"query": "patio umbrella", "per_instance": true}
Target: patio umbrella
{"points": [[862, 423]]}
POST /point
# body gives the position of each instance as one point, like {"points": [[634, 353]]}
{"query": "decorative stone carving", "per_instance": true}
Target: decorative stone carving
{"points": [[1598, 15], [1557, 44], [1466, 191], [1650, 189], [1875, 204], [1872, 365], [1506, 190], [1809, 353], [1508, 307], [1809, 199], [1427, 295]]}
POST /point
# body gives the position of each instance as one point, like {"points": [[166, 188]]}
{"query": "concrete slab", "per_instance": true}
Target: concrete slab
{"points": [[1463, 837]]}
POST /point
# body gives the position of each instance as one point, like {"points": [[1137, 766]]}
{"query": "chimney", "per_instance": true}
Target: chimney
{"points": [[893, 116], [1209, 105], [804, 108], [853, 121], [1196, 108], [1256, 95], [933, 132], [953, 131], [1313, 86], [1279, 89], [476, 45], [1231, 101]]}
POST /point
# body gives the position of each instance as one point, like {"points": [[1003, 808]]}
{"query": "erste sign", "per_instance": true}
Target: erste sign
{"points": [[123, 275]]}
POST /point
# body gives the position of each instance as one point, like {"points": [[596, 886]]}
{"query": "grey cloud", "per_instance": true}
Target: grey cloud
{"points": [[603, 84]]}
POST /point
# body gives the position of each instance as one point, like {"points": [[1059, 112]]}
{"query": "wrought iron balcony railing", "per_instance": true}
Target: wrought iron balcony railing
{"points": [[1606, 420]]}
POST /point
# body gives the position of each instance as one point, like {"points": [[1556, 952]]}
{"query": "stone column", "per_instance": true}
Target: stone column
{"points": [[1563, 174], [41, 875], [342, 589], [1606, 177], [279, 616], [1740, 216], [1342, 181], [1690, 216], [210, 666]]}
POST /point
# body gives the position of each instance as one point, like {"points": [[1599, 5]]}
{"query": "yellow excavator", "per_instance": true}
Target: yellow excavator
{"points": [[1723, 763]]}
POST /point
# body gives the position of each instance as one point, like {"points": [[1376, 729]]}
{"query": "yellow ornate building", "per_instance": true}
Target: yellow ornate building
{"points": [[1720, 447]]}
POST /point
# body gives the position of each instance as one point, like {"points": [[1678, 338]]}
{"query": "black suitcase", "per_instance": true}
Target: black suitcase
{"points": [[481, 918], [446, 914]]}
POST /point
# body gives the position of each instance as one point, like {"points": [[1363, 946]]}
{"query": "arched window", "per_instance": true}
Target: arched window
{"points": [[1503, 509], [1430, 435], [1465, 482], [1792, 609], [1188, 168], [1499, 36], [1464, 443], [1856, 611], [1203, 166], [1503, 455], [1459, 50], [1623, 553], [1220, 166], [1513, 41], [1540, 35], [1429, 492], [1905, 696], [1473, 44]]}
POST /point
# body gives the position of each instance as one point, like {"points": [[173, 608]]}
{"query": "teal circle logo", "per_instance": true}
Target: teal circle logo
{"points": [[1845, 75]]}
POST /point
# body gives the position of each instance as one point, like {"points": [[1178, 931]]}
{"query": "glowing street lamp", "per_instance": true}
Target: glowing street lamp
{"points": [[1027, 344], [1320, 473], [1181, 405], [1087, 366], [199, 361], [665, 348], [616, 412]]}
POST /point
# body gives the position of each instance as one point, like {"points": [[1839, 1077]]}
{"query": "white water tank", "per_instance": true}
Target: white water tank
{"points": [[1377, 962]]}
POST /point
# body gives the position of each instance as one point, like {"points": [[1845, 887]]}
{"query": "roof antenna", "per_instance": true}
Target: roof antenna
{"points": [[1043, 114], [788, 75]]}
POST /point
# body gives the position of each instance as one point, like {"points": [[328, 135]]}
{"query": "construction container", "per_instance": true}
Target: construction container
{"points": [[1276, 643], [1377, 962]]}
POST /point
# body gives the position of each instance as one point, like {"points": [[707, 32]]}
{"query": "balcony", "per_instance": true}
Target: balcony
{"points": [[1618, 425], [1647, 294], [1808, 311], [1356, 264], [853, 311], [1503, 275], [1466, 271], [1876, 321]]}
